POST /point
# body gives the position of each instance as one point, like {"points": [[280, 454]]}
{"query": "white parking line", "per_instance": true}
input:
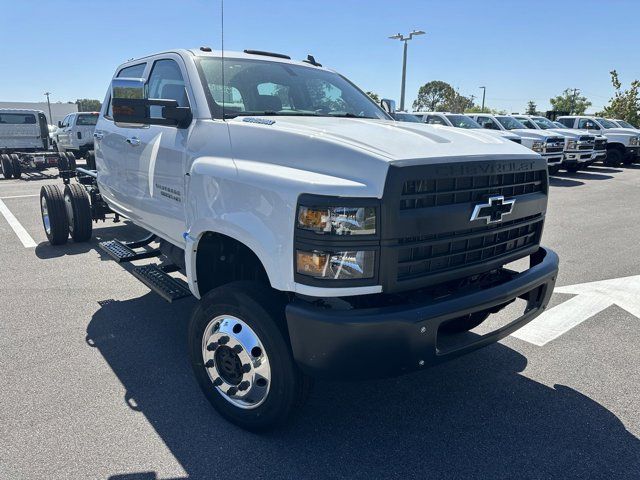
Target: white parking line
{"points": [[20, 196], [22, 234]]}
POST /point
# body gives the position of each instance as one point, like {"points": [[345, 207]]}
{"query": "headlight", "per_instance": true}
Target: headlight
{"points": [[633, 141], [537, 146], [336, 265], [571, 145], [338, 220]]}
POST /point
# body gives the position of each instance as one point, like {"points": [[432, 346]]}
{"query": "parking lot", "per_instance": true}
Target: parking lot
{"points": [[96, 382]]}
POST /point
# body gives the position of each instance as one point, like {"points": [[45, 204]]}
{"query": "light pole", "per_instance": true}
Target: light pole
{"points": [[484, 91], [49, 105], [402, 38]]}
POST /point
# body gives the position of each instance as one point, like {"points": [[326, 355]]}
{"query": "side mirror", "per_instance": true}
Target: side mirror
{"points": [[130, 105], [388, 106], [59, 124]]}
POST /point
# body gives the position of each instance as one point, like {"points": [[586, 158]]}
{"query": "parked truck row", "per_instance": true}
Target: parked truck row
{"points": [[572, 142]]}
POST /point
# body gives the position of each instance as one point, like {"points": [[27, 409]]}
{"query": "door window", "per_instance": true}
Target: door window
{"points": [[588, 124], [166, 82], [487, 122], [435, 120], [567, 122]]}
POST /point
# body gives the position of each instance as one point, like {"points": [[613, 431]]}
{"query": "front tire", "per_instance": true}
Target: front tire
{"points": [[54, 215], [614, 158], [240, 354], [7, 168]]}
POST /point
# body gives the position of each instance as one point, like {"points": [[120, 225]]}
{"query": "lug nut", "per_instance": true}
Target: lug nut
{"points": [[237, 349], [217, 382], [243, 386], [210, 363], [232, 391], [246, 368], [222, 340], [212, 346]]}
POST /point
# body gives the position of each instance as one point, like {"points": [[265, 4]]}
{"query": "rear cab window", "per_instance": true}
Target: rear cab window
{"points": [[86, 119], [17, 119]]}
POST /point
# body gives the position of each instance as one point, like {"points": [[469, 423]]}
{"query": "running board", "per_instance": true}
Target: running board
{"points": [[157, 280], [123, 252]]}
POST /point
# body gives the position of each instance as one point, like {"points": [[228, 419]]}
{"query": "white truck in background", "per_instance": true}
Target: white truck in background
{"points": [[24, 142], [459, 120], [623, 144], [323, 238], [75, 133], [579, 147], [550, 146]]}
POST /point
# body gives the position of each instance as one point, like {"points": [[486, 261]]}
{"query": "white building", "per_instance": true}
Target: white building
{"points": [[58, 110]]}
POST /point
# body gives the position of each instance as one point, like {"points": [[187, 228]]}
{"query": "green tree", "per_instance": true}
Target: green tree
{"points": [[434, 96], [457, 103], [625, 104], [531, 108], [374, 96], [88, 105], [570, 101]]}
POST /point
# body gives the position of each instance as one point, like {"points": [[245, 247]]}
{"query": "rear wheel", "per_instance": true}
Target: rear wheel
{"points": [[78, 209], [614, 158], [91, 160], [54, 215], [15, 165], [71, 159], [7, 167], [241, 357]]}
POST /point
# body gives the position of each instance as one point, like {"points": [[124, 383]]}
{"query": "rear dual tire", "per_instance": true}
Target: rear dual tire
{"points": [[65, 213]]}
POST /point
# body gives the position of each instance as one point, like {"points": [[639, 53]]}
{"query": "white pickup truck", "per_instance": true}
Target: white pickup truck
{"points": [[322, 237], [579, 147], [623, 144], [550, 146], [459, 120], [75, 133]]}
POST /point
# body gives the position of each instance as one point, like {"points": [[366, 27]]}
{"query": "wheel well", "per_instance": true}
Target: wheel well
{"points": [[616, 146], [221, 259]]}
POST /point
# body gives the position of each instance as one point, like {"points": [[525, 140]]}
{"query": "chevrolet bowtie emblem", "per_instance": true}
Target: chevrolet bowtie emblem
{"points": [[493, 211]]}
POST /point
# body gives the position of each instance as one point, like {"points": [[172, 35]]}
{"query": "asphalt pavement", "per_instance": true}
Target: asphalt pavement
{"points": [[96, 383]]}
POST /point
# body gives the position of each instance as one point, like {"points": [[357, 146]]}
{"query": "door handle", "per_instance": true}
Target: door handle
{"points": [[98, 135], [133, 141]]}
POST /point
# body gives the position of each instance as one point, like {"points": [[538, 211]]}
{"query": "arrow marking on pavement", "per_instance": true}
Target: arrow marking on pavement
{"points": [[591, 298]]}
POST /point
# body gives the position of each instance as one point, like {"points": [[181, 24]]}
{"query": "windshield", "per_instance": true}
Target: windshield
{"points": [[510, 123], [259, 87], [606, 123], [624, 124], [527, 123], [545, 123], [84, 120], [406, 117], [462, 121]]}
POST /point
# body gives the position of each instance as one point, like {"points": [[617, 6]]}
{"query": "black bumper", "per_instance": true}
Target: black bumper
{"points": [[389, 341], [633, 151]]}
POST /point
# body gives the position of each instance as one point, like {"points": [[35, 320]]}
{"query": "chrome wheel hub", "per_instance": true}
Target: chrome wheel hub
{"points": [[45, 215], [236, 362]]}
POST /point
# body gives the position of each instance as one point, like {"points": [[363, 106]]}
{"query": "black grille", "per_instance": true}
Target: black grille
{"points": [[585, 147], [420, 256], [437, 192]]}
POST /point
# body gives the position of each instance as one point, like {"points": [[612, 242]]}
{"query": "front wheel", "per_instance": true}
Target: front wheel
{"points": [[614, 158], [241, 356]]}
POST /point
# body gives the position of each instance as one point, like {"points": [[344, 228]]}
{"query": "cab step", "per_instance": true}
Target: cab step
{"points": [[157, 279], [123, 252]]}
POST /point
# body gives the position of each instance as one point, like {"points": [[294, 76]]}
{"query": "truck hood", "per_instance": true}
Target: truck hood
{"points": [[386, 140], [620, 131], [534, 133]]}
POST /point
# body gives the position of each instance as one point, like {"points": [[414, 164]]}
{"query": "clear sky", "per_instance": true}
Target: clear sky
{"points": [[521, 50]]}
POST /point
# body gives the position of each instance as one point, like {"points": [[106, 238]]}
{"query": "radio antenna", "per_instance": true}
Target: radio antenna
{"points": [[224, 87]]}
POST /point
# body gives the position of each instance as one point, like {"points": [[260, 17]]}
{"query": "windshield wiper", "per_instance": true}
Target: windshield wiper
{"points": [[346, 115], [270, 113]]}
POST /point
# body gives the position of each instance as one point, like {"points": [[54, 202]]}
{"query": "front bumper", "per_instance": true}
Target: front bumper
{"points": [[578, 156], [553, 158], [388, 341]]}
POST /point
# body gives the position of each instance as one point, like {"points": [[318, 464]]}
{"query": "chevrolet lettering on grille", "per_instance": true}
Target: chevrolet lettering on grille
{"points": [[493, 211]]}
